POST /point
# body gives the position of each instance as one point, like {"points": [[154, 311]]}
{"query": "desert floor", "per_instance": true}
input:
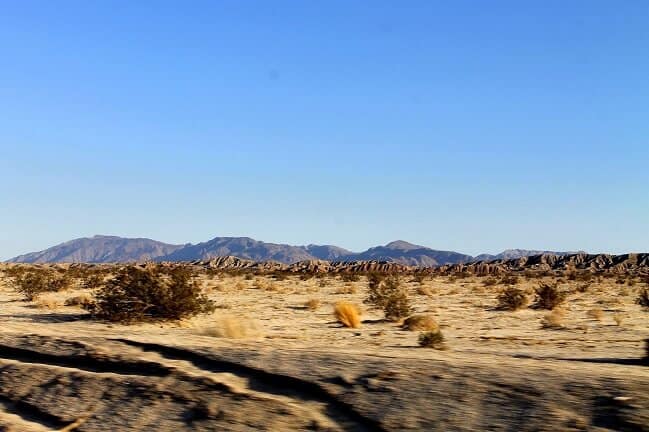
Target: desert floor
{"points": [[264, 361]]}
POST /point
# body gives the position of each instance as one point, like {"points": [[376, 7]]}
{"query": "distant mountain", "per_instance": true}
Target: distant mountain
{"points": [[100, 249], [327, 252], [105, 249], [519, 253], [409, 254], [241, 247]]}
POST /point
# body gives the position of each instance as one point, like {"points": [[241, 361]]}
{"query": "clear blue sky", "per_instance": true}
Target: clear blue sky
{"points": [[465, 125]]}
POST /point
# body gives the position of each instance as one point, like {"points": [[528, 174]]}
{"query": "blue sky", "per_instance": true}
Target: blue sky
{"points": [[470, 126]]}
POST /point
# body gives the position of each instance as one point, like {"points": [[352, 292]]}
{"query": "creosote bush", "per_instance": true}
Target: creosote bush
{"points": [[389, 295], [512, 299], [432, 339], [348, 314], [509, 280], [643, 298], [548, 296], [137, 294], [83, 300], [93, 281], [35, 282], [350, 277]]}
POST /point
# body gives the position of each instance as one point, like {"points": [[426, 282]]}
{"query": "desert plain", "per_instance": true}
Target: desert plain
{"points": [[272, 356]]}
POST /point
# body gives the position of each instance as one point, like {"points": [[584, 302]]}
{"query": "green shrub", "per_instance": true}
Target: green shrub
{"points": [[389, 294], [137, 294], [37, 281], [548, 296]]}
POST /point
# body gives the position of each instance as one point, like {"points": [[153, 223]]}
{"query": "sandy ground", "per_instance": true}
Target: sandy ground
{"points": [[263, 360]]}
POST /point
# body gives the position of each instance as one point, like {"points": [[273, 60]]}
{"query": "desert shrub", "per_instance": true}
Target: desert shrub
{"points": [[548, 296], [348, 314], [391, 296], [618, 318], [306, 276], [582, 288], [512, 299], [643, 298], [425, 291], [420, 323], [554, 320], [350, 277], [419, 277], [584, 276], [348, 288], [137, 294], [374, 280], [597, 314], [432, 339], [509, 280], [312, 304], [490, 281], [93, 281], [33, 283], [82, 300], [280, 276]]}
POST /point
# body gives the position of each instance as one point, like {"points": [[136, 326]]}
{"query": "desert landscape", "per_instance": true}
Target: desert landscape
{"points": [[536, 343]]}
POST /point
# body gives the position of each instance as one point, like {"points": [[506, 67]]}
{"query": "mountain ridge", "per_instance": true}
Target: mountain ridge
{"points": [[106, 249]]}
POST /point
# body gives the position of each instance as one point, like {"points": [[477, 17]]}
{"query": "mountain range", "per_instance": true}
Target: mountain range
{"points": [[108, 249]]}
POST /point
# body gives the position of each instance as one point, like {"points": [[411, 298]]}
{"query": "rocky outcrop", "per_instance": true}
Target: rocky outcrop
{"points": [[626, 263]]}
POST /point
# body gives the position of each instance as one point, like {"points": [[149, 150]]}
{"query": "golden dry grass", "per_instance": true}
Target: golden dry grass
{"points": [[232, 327], [348, 314], [312, 304], [45, 302]]}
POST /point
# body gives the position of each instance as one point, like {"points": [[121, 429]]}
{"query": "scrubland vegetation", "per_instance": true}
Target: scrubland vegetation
{"points": [[418, 302]]}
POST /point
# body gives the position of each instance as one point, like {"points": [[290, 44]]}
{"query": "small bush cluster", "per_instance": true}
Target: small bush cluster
{"points": [[35, 282], [83, 300], [509, 280], [548, 296], [432, 339], [137, 294], [643, 298], [350, 277], [490, 281], [93, 281], [512, 299], [389, 294]]}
